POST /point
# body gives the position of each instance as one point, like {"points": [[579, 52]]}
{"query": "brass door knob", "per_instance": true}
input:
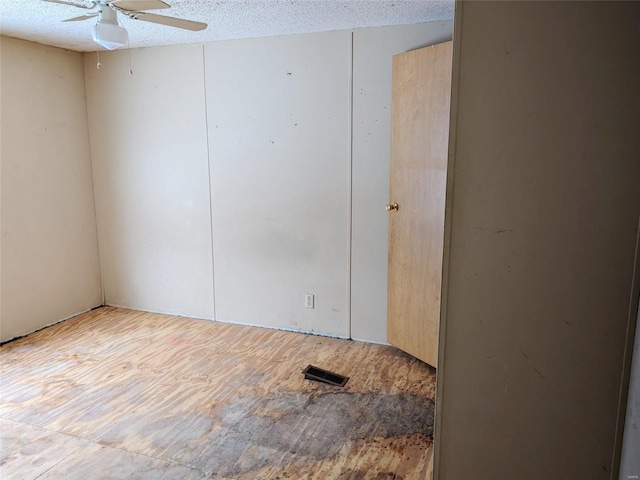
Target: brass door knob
{"points": [[391, 207]]}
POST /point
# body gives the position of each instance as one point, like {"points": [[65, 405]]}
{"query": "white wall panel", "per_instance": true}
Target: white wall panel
{"points": [[149, 149], [279, 123], [50, 268], [373, 49]]}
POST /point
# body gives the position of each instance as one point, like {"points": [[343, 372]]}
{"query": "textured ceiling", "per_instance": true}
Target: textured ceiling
{"points": [[40, 21]]}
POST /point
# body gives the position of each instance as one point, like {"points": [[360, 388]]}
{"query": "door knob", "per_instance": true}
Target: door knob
{"points": [[391, 207]]}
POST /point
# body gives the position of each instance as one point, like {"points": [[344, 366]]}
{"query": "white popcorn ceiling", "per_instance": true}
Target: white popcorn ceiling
{"points": [[41, 21]]}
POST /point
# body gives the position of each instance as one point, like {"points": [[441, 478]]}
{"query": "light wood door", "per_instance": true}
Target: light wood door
{"points": [[419, 147]]}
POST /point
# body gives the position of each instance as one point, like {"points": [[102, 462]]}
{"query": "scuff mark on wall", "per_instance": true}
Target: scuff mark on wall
{"points": [[534, 367]]}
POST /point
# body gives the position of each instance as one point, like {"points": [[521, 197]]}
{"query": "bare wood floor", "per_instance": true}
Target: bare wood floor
{"points": [[122, 394]]}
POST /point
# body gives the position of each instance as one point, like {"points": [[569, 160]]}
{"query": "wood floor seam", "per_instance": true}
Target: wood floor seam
{"points": [[41, 475]]}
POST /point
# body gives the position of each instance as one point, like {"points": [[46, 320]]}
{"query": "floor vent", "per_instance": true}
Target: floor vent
{"points": [[325, 376]]}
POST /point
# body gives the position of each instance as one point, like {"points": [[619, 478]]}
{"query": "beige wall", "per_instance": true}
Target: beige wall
{"points": [[543, 213], [278, 115], [150, 167], [263, 127], [373, 50], [50, 267], [152, 155]]}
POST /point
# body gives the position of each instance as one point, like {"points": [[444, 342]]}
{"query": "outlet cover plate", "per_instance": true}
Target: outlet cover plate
{"points": [[309, 300]]}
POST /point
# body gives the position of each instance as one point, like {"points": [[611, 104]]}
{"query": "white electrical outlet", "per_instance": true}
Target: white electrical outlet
{"points": [[309, 300]]}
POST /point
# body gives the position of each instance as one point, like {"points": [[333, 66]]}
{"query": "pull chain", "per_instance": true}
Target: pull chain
{"points": [[129, 51]]}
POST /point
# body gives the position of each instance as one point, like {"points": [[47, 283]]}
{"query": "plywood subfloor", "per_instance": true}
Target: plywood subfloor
{"points": [[121, 394]]}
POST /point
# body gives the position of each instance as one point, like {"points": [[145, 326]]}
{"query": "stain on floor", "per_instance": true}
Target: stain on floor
{"points": [[116, 393]]}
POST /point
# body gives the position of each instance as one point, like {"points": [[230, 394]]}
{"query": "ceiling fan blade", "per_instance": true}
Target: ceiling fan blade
{"points": [[140, 5], [73, 4], [81, 17], [169, 21]]}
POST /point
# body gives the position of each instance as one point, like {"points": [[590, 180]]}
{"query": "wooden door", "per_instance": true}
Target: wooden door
{"points": [[419, 147]]}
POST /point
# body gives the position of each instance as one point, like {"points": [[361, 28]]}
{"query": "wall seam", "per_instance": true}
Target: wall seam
{"points": [[93, 182], [350, 192], [209, 170]]}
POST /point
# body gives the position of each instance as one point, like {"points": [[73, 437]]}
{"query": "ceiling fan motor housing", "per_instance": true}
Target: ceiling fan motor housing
{"points": [[107, 32]]}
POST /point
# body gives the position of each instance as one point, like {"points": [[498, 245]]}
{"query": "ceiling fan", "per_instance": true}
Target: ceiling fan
{"points": [[108, 33]]}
